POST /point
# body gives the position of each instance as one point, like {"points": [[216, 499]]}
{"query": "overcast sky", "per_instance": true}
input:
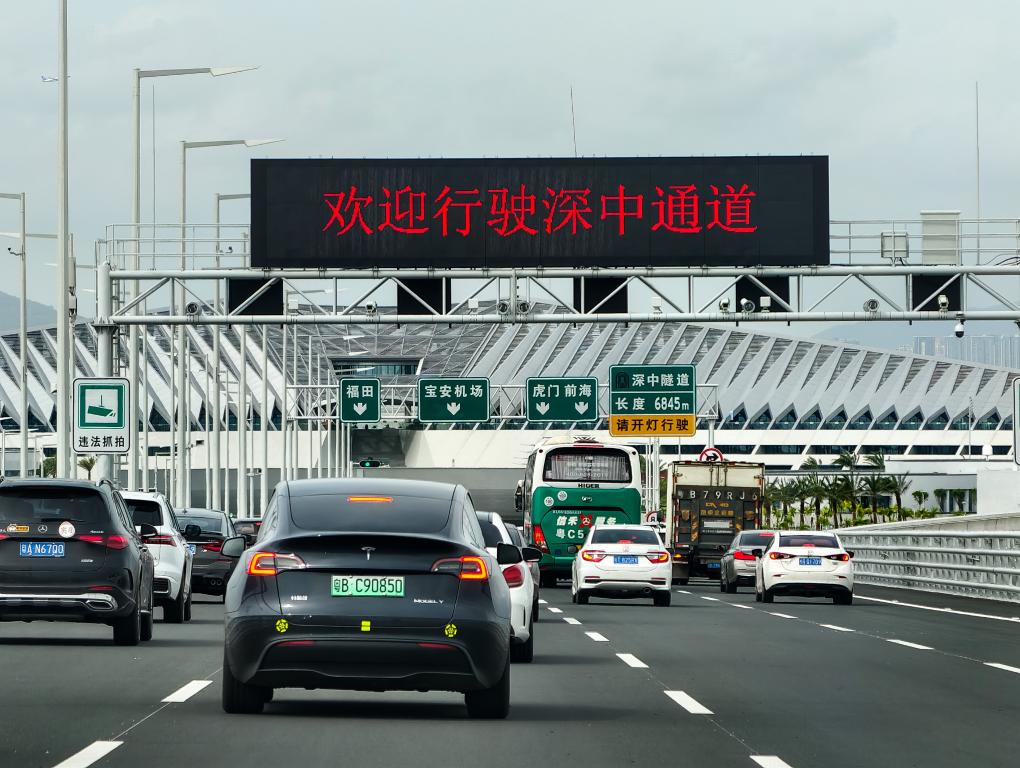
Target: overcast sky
{"points": [[886, 89]]}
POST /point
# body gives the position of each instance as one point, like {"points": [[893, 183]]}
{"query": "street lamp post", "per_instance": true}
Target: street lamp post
{"points": [[136, 205]]}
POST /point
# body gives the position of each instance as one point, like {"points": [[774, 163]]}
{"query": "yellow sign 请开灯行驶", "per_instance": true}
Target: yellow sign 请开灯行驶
{"points": [[676, 425]]}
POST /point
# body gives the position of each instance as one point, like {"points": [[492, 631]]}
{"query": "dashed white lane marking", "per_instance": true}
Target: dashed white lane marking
{"points": [[571, 620], [911, 645], [93, 752], [631, 660], [740, 605], [688, 703], [541, 601], [713, 599], [770, 761], [185, 692], [554, 610], [1014, 619], [837, 628], [1005, 667], [597, 637], [782, 615], [683, 592]]}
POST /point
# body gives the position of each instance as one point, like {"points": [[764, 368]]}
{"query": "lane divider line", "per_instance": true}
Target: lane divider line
{"points": [[541, 601], [1013, 619], [739, 605], [837, 628], [688, 703], [683, 592], [598, 637], [906, 644], [93, 752], [631, 660], [185, 692], [782, 615], [770, 761], [571, 620], [713, 599], [1004, 667], [552, 609]]}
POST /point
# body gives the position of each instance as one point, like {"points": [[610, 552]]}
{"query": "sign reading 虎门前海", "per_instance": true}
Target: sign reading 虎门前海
{"points": [[562, 399], [359, 400], [652, 400], [450, 400], [101, 416], [378, 213]]}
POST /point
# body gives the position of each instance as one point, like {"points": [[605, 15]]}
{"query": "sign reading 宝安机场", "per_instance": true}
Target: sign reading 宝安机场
{"points": [[652, 400], [567, 212], [562, 399], [102, 411], [359, 400], [451, 400]]}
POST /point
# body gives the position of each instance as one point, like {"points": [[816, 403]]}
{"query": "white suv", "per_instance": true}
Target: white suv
{"points": [[523, 597], [171, 584]]}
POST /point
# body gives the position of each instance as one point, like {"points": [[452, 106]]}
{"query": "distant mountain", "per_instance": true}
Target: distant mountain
{"points": [[10, 317]]}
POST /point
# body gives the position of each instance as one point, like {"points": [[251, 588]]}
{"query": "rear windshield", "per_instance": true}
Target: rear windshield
{"points": [[490, 533], [144, 512], [586, 465], [756, 539], [208, 523], [390, 514], [807, 540], [624, 536], [249, 528], [35, 506]]}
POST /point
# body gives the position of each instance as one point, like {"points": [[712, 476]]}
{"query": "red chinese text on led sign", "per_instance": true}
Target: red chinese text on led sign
{"points": [[680, 208]]}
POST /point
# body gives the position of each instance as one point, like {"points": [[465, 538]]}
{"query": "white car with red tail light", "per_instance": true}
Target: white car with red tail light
{"points": [[804, 564], [737, 564], [171, 585], [622, 561], [523, 590]]}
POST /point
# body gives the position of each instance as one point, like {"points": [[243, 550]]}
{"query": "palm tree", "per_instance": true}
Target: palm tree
{"points": [[88, 463], [49, 466], [940, 497], [875, 485], [833, 489], [920, 498], [957, 495], [848, 461], [875, 460], [898, 485]]}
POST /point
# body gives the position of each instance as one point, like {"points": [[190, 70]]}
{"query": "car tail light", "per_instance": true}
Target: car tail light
{"points": [[111, 541], [467, 568], [738, 555], [657, 557], [160, 540], [539, 535], [100, 588], [436, 646], [271, 563], [369, 499], [514, 575], [592, 555], [843, 557], [292, 643], [780, 556], [3, 536], [212, 546]]}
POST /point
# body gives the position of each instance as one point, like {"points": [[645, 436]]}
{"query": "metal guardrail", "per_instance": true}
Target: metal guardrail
{"points": [[983, 564]]}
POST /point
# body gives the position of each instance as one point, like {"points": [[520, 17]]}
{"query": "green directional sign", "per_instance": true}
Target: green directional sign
{"points": [[101, 416], [450, 400], [359, 400], [562, 399], [652, 400]]}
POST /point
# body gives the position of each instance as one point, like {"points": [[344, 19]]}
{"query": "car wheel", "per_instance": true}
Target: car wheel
{"points": [[534, 611], [582, 597], [128, 630], [491, 703], [731, 587], [173, 611], [757, 594], [187, 607], [145, 631], [662, 599], [769, 596], [525, 652], [843, 599], [682, 582], [723, 587], [240, 698], [547, 579]]}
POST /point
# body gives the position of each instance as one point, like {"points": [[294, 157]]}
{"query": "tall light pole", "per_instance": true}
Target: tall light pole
{"points": [[64, 363], [183, 447], [136, 205]]}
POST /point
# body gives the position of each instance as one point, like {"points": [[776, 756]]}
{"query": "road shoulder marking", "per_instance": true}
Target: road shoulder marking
{"points": [[631, 660], [1013, 619], [185, 692], [688, 703], [93, 752]]}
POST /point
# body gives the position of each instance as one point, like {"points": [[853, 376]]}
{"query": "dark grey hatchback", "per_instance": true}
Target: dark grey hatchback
{"points": [[368, 584]]}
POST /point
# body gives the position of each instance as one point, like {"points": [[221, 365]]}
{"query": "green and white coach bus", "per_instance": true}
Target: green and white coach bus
{"points": [[570, 484]]}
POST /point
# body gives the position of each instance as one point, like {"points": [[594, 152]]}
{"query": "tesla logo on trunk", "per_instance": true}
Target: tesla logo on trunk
{"points": [[368, 552]]}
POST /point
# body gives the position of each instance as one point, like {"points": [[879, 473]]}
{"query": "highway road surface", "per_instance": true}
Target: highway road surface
{"points": [[714, 680]]}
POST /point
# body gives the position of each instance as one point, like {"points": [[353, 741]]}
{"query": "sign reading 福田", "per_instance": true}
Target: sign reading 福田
{"points": [[568, 212]]}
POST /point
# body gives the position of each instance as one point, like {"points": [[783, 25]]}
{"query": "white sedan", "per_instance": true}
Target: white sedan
{"points": [[622, 561], [171, 554], [805, 564]]}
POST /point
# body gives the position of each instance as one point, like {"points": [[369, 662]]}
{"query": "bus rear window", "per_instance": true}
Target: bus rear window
{"points": [[585, 465]]}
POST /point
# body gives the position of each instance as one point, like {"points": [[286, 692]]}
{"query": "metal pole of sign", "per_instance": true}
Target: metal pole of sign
{"points": [[284, 421], [319, 413], [182, 447], [242, 425], [216, 405], [264, 423], [208, 464], [226, 466], [104, 345], [143, 394], [63, 308], [310, 410]]}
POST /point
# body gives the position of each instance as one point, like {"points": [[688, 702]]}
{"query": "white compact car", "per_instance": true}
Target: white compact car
{"points": [[622, 561], [171, 554], [523, 590], [805, 564]]}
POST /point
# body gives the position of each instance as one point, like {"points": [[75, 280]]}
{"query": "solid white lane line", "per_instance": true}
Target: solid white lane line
{"points": [[541, 601], [782, 615], [911, 645], [571, 620], [1014, 619], [631, 660], [93, 752], [713, 599], [554, 610], [770, 761], [688, 703], [1005, 667], [597, 637], [837, 628], [185, 692]]}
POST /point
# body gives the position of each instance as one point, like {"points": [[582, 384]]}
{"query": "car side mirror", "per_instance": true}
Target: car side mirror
{"points": [[531, 554], [192, 531], [249, 539], [508, 554], [233, 547], [145, 530], [757, 553], [850, 552]]}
